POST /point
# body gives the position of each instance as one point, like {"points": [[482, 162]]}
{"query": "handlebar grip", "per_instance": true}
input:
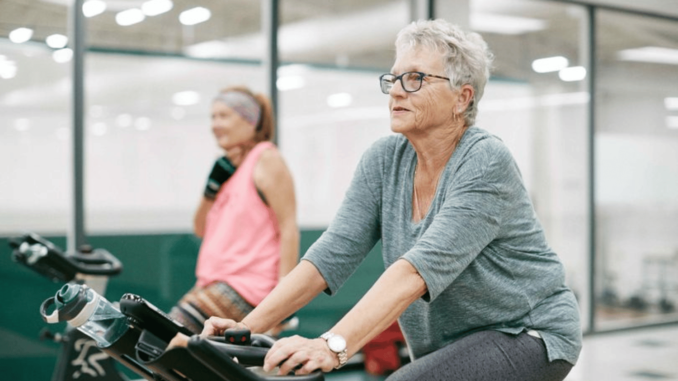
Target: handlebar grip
{"points": [[219, 358]]}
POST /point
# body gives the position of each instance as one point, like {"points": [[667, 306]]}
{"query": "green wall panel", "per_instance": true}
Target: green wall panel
{"points": [[159, 267]]}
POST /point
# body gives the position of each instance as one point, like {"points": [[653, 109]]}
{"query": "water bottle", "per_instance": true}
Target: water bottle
{"points": [[88, 311]]}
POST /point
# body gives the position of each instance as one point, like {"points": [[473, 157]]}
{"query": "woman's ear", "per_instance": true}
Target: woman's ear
{"points": [[466, 94]]}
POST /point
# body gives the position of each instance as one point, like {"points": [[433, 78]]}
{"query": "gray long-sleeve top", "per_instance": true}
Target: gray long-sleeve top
{"points": [[480, 249]]}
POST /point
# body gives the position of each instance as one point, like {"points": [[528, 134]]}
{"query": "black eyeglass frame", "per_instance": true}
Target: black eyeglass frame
{"points": [[400, 77]]}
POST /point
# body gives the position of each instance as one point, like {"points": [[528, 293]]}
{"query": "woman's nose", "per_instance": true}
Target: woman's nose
{"points": [[397, 89]]}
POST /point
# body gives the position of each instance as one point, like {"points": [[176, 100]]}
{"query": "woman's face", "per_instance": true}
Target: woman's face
{"points": [[229, 128], [431, 106]]}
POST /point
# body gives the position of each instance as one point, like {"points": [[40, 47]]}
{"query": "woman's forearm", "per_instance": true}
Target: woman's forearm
{"points": [[296, 290], [398, 287], [201, 215], [289, 249]]}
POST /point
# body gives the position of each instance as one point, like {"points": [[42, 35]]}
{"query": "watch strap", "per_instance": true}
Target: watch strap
{"points": [[341, 355]]}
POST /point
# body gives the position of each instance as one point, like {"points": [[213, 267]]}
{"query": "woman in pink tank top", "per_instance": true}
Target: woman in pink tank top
{"points": [[247, 216]]}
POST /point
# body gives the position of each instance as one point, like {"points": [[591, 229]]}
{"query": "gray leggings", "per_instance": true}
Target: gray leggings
{"points": [[487, 356]]}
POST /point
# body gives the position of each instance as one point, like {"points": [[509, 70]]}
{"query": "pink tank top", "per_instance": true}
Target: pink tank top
{"points": [[241, 245]]}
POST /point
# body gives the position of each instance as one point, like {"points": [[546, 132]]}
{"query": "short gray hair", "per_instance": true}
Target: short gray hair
{"points": [[466, 56]]}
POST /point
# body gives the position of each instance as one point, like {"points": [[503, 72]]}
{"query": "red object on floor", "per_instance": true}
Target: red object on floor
{"points": [[381, 353]]}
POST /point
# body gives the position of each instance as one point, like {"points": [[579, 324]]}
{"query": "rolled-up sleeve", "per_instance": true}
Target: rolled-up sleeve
{"points": [[356, 227]]}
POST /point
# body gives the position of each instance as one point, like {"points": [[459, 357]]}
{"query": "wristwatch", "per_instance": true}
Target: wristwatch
{"points": [[337, 344]]}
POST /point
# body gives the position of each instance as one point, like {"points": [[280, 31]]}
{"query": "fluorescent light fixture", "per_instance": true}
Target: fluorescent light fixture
{"points": [[22, 124], [293, 69], [651, 54], [130, 17], [156, 7], [142, 123], [7, 68], [99, 129], [502, 24], [20, 35], [291, 82], [124, 120], [339, 100], [672, 122], [56, 41], [527, 103], [195, 16], [62, 55], [571, 74], [549, 64], [671, 103], [186, 98], [92, 8]]}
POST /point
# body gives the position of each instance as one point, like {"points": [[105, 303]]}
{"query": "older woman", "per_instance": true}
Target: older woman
{"points": [[246, 217], [478, 292]]}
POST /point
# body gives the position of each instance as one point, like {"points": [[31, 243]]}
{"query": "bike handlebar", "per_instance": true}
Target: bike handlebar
{"points": [[45, 258]]}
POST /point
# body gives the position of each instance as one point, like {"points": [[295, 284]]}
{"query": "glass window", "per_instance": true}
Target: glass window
{"points": [[357, 34], [330, 106], [149, 145], [636, 170], [541, 115], [35, 132]]}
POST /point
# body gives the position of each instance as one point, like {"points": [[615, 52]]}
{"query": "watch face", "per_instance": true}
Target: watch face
{"points": [[336, 343]]}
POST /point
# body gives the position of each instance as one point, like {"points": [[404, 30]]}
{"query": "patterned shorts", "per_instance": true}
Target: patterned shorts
{"points": [[216, 299]]}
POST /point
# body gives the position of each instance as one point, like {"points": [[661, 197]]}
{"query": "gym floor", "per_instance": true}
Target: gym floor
{"points": [[644, 354]]}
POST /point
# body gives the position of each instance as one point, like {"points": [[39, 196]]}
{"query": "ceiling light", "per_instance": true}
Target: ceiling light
{"points": [[57, 41], [186, 98], [143, 123], [156, 7], [291, 82], [549, 64], [195, 16], [571, 74], [62, 55], [7, 68], [339, 100], [99, 129], [502, 24], [130, 17], [20, 35], [671, 103], [672, 122], [651, 54], [92, 8]]}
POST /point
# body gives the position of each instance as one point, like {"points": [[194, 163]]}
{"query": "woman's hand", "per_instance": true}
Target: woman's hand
{"points": [[180, 340], [300, 355], [216, 326]]}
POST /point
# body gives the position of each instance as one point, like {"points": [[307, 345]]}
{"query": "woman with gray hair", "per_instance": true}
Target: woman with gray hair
{"points": [[469, 275]]}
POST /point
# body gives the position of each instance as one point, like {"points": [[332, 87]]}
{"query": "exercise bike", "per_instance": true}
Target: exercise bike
{"points": [[138, 336], [79, 358], [135, 333]]}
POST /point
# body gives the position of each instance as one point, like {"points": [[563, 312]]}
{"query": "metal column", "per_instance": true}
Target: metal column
{"points": [[591, 20], [422, 9], [76, 232], [269, 28]]}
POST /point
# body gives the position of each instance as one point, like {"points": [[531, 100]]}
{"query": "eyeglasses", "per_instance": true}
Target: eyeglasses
{"points": [[411, 81]]}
